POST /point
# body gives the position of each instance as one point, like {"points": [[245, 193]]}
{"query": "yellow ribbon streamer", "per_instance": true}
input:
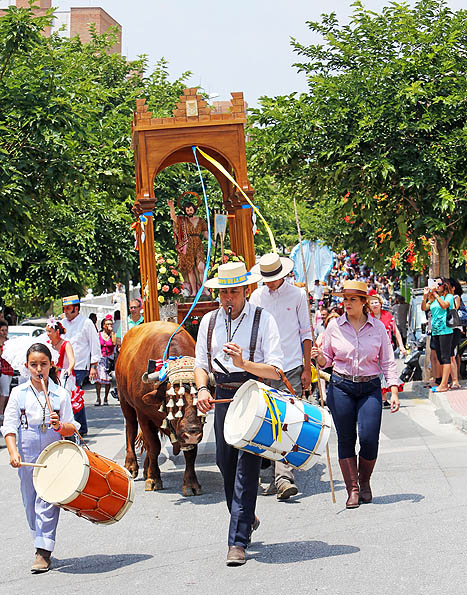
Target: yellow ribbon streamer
{"points": [[275, 418], [229, 177]]}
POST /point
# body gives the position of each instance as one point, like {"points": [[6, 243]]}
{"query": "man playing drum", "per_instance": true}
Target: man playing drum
{"points": [[289, 306], [244, 341]]}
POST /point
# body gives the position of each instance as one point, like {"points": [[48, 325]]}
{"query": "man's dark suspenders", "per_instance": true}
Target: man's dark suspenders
{"points": [[253, 338]]}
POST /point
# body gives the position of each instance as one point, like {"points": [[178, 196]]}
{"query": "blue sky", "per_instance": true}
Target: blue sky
{"points": [[239, 45]]}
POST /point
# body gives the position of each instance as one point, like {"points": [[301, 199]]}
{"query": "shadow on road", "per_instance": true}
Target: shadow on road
{"points": [[393, 498], [96, 564], [297, 551]]}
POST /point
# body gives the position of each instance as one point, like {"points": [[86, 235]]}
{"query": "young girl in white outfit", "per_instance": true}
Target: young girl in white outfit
{"points": [[28, 428]]}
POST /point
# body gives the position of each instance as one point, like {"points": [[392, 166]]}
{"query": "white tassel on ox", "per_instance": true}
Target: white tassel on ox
{"points": [[171, 391], [180, 402], [173, 438], [179, 413], [181, 390], [193, 390], [170, 403], [164, 424], [161, 408], [170, 416]]}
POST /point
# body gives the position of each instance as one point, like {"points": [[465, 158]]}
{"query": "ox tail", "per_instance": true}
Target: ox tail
{"points": [[139, 442]]}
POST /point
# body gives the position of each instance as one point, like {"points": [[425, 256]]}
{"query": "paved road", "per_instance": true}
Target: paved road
{"points": [[411, 540]]}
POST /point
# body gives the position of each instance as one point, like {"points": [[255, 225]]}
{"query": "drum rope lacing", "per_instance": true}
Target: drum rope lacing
{"points": [[96, 499]]}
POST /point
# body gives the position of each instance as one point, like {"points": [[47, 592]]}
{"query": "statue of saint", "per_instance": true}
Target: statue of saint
{"points": [[189, 231]]}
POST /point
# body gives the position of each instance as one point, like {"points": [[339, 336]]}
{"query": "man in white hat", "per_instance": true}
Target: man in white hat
{"points": [[236, 348], [289, 306], [81, 333]]}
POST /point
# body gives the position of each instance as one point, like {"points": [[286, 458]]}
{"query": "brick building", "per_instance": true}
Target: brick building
{"points": [[76, 21]]}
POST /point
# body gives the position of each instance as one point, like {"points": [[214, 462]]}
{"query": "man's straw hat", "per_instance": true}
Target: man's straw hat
{"points": [[273, 267], [232, 274]]}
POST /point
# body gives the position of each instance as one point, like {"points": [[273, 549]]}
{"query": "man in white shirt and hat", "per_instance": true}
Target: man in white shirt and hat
{"points": [[289, 307], [81, 333], [235, 348]]}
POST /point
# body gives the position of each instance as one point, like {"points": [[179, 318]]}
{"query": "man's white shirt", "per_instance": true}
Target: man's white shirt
{"points": [[82, 335], [268, 346], [289, 306]]}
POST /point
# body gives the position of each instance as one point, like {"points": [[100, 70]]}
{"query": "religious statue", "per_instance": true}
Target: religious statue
{"points": [[189, 230]]}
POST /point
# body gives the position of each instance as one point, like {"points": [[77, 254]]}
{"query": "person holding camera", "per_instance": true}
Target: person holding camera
{"points": [[438, 300]]}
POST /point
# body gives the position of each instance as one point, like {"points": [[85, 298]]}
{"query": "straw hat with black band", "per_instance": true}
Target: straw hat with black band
{"points": [[273, 267], [357, 288]]}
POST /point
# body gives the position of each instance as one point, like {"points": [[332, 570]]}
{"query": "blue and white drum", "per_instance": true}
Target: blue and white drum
{"points": [[276, 425]]}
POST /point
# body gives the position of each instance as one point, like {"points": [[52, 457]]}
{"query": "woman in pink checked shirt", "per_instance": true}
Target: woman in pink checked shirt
{"points": [[357, 346]]}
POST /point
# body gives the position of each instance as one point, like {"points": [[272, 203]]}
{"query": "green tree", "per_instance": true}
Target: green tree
{"points": [[381, 135], [66, 165]]}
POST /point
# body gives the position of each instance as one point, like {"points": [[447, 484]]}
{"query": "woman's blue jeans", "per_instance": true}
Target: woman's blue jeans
{"points": [[356, 405]]}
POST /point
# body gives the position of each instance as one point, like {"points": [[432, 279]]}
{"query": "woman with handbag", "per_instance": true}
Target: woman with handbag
{"points": [[456, 325], [107, 340], [438, 300]]}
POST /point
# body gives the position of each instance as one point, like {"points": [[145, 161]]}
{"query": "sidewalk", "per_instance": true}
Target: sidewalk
{"points": [[453, 404]]}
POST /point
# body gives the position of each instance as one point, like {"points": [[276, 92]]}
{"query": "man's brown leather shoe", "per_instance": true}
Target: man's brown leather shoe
{"points": [[235, 556], [42, 561]]}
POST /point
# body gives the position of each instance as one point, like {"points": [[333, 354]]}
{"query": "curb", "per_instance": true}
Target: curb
{"points": [[441, 401]]}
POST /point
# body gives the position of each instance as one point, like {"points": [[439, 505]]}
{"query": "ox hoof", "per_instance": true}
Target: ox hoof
{"points": [[152, 485], [192, 491]]}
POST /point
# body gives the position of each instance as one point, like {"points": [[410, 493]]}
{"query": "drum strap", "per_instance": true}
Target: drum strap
{"points": [[254, 332], [212, 324]]}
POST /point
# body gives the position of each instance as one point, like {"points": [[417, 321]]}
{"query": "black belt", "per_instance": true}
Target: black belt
{"points": [[355, 378], [232, 382]]}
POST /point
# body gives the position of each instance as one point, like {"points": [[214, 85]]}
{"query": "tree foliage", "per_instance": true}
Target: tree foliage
{"points": [[379, 140], [66, 166]]}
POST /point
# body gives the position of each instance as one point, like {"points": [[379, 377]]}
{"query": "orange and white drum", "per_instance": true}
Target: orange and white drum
{"points": [[83, 482]]}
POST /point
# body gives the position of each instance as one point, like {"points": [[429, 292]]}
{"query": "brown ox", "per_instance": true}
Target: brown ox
{"points": [[141, 402]]}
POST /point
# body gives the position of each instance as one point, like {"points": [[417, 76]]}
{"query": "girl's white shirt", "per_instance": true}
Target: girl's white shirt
{"points": [[34, 411]]}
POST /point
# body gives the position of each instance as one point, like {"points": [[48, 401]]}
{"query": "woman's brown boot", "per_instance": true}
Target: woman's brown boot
{"points": [[350, 474], [365, 469]]}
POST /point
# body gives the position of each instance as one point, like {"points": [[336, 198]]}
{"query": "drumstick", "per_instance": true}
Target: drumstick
{"points": [[217, 401], [313, 336], [41, 465], [46, 394]]}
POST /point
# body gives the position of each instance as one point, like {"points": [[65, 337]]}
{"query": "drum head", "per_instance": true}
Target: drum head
{"points": [[66, 473], [242, 421]]}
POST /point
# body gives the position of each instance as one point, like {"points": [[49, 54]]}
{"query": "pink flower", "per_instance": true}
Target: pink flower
{"points": [[160, 261], [165, 288], [175, 290], [174, 272], [226, 259]]}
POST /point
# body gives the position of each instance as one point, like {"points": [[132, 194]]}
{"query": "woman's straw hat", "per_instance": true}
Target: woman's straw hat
{"points": [[358, 288], [273, 267], [232, 274]]}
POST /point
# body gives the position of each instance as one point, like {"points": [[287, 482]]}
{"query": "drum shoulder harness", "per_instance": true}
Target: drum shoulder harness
{"points": [[253, 336], [23, 418]]}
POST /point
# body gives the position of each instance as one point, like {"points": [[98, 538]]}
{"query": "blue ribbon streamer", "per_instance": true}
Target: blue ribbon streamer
{"points": [[206, 267]]}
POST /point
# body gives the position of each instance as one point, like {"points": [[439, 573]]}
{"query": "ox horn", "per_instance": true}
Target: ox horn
{"points": [[152, 378]]}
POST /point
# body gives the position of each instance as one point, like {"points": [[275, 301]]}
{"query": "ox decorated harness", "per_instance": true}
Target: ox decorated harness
{"points": [[180, 371]]}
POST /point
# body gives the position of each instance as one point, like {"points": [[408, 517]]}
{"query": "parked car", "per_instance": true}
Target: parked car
{"points": [[25, 331], [42, 322]]}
